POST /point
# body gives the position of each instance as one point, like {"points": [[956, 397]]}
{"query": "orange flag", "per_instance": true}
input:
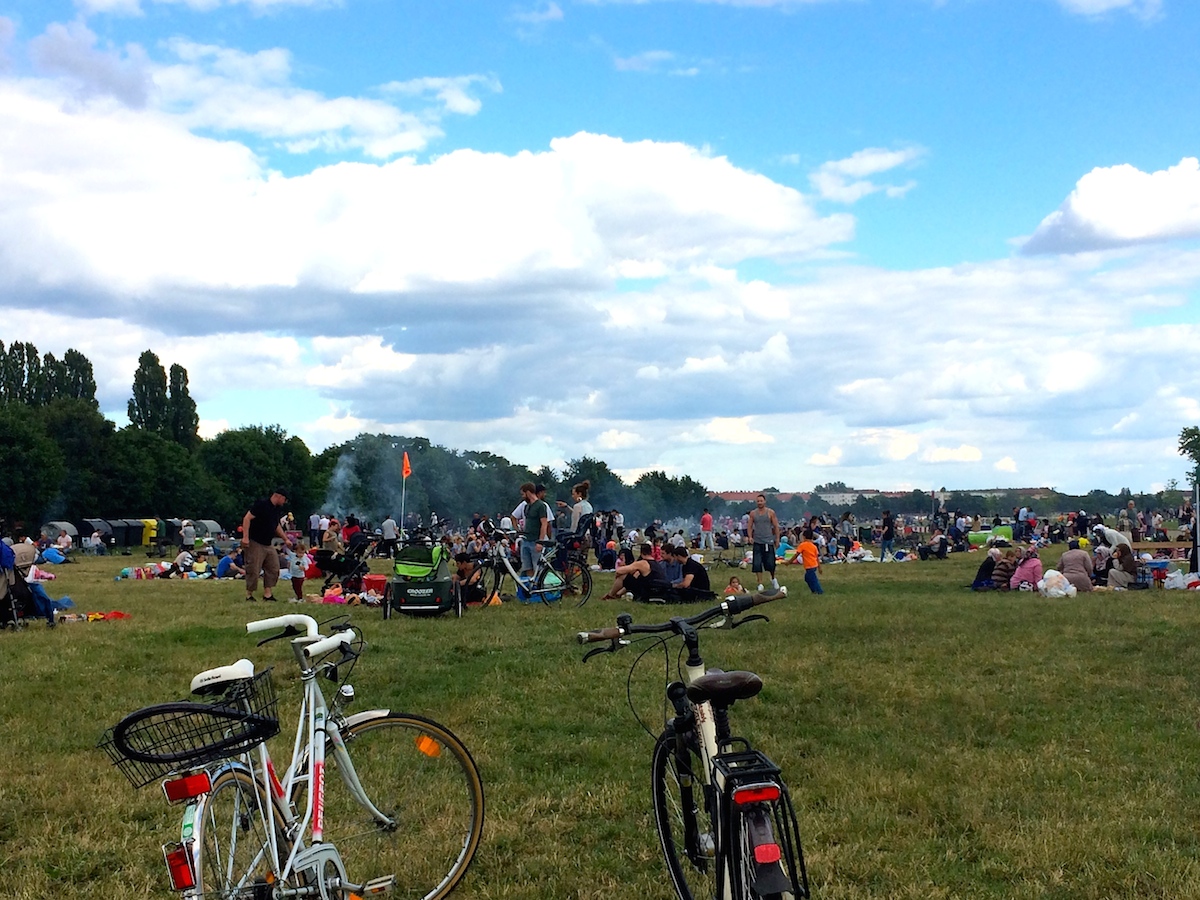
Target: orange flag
{"points": [[407, 469]]}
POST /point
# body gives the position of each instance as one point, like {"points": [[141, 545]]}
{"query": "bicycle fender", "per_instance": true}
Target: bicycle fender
{"points": [[353, 720]]}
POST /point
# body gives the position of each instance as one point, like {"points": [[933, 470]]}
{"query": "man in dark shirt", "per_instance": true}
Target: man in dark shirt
{"points": [[260, 527], [695, 576]]}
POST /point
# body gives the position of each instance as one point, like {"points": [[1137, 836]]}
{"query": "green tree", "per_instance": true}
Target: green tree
{"points": [[33, 468], [84, 437], [183, 422], [154, 476], [248, 463], [1189, 446], [147, 408], [79, 381]]}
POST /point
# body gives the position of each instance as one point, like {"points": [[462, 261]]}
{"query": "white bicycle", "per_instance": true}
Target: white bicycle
{"points": [[405, 819]]}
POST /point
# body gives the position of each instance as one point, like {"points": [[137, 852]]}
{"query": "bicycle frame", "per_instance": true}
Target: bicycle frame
{"points": [[499, 556], [316, 729]]}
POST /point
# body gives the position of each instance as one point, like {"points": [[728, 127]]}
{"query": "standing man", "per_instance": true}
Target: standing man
{"points": [[391, 534], [260, 527], [314, 530], [706, 531], [763, 535], [536, 532], [887, 538]]}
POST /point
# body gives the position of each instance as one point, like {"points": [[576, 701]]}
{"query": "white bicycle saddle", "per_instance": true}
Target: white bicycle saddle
{"points": [[213, 681]]}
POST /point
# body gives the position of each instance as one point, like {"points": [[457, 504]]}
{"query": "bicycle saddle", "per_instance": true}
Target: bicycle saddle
{"points": [[722, 688], [213, 681]]}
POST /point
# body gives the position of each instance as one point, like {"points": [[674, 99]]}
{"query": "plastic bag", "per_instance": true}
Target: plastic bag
{"points": [[1055, 584]]}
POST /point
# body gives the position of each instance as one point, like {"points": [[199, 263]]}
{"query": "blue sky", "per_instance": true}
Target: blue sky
{"points": [[896, 243]]}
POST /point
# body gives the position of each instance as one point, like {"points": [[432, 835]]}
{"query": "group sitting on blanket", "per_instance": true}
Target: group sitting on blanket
{"points": [[681, 580]]}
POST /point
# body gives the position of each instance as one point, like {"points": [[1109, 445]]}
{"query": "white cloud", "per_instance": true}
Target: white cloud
{"points": [[1006, 464], [727, 430], [454, 93], [646, 61], [846, 180], [1121, 205], [546, 12], [961, 453], [1143, 8], [615, 439], [72, 51], [134, 7], [229, 91], [831, 458]]}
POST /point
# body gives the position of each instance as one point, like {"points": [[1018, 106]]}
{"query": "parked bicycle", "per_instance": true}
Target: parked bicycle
{"points": [[407, 818], [560, 572], [724, 816]]}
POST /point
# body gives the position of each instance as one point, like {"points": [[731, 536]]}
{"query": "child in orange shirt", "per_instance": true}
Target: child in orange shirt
{"points": [[812, 561]]}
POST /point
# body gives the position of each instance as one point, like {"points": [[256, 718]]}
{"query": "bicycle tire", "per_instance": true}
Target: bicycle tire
{"points": [[577, 578], [682, 816], [419, 773], [491, 581], [233, 860], [746, 873]]}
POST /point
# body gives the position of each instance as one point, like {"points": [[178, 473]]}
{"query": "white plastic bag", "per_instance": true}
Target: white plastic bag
{"points": [[1174, 581], [1055, 584]]}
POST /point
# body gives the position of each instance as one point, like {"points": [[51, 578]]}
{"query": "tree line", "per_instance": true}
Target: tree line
{"points": [[63, 459]]}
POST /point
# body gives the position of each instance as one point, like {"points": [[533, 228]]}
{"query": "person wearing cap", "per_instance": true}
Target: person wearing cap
{"points": [[260, 527]]}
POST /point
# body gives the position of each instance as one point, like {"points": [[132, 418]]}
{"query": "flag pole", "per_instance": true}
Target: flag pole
{"points": [[405, 471]]}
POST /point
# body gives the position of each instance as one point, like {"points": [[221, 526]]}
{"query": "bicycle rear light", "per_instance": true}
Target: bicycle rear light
{"points": [[187, 787], [756, 793], [179, 867], [766, 853], [429, 746]]}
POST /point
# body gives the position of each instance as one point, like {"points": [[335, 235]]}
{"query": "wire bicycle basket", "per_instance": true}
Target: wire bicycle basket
{"points": [[166, 738]]}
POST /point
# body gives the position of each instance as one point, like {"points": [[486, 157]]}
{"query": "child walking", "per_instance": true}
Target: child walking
{"points": [[812, 561], [297, 564]]}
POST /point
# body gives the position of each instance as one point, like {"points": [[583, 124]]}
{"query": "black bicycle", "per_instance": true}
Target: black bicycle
{"points": [[724, 816]]}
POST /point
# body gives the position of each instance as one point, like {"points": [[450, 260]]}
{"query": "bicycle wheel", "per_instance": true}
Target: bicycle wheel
{"points": [[491, 581], [420, 775], [233, 855], [684, 823], [577, 581]]}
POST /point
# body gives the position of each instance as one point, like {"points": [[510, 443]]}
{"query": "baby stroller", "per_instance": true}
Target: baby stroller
{"points": [[18, 603], [347, 568], [421, 583]]}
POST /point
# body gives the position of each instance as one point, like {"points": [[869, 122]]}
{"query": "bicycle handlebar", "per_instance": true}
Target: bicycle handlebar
{"points": [[307, 623], [333, 642], [731, 607]]}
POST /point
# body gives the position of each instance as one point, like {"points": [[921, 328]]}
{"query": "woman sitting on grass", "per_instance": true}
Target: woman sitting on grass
{"points": [[1029, 571]]}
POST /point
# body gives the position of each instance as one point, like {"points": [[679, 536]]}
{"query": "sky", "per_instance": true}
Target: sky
{"points": [[894, 243]]}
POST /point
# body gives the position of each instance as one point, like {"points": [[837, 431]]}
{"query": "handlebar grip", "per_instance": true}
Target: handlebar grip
{"points": [[742, 602], [323, 646], [307, 623], [604, 634]]}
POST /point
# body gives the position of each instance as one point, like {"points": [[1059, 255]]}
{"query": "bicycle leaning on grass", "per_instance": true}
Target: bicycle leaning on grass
{"points": [[724, 816], [406, 820], [560, 572]]}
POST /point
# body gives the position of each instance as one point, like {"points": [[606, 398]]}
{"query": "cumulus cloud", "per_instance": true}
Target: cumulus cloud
{"points": [[847, 180], [1006, 464], [229, 91], [72, 51], [1121, 206], [454, 93]]}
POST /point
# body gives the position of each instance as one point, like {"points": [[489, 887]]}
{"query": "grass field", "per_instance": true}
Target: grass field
{"points": [[939, 743]]}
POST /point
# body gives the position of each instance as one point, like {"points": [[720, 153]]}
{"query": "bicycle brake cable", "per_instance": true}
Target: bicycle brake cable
{"points": [[654, 644]]}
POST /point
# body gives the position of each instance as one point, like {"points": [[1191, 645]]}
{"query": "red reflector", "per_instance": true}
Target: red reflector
{"points": [[187, 787], [766, 853], [759, 793], [179, 867]]}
